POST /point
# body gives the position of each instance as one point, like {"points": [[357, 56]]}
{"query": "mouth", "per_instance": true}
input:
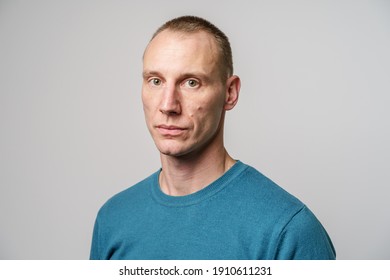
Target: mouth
{"points": [[170, 130]]}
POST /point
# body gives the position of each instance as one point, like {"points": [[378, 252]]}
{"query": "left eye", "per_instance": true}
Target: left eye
{"points": [[191, 83]]}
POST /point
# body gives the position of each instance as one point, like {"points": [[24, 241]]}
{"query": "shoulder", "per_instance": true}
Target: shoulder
{"points": [[264, 192], [304, 237], [297, 231], [271, 203], [130, 198]]}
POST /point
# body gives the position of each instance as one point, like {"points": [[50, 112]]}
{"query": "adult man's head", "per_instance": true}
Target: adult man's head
{"points": [[187, 86]]}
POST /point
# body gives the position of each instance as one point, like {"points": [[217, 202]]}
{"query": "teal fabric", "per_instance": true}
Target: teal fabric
{"points": [[242, 215]]}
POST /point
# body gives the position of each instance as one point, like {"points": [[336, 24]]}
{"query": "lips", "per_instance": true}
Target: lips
{"points": [[170, 130]]}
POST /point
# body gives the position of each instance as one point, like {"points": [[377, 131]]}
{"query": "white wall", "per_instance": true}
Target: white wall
{"points": [[313, 113]]}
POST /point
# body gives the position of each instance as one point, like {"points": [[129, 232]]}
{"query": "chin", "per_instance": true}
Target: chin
{"points": [[174, 151], [169, 150]]}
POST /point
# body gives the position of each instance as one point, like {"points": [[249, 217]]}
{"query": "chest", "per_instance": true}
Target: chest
{"points": [[187, 233]]}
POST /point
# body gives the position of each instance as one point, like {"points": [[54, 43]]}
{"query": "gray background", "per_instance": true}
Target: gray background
{"points": [[313, 113]]}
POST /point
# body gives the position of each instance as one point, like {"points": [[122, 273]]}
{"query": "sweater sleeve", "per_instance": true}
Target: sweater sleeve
{"points": [[304, 238], [94, 253]]}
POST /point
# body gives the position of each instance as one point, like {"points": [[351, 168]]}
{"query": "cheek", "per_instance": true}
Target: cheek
{"points": [[206, 117], [147, 103], [194, 111], [148, 112], [144, 100], [198, 110]]}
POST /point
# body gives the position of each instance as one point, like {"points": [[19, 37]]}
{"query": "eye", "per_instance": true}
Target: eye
{"points": [[191, 83], [155, 82]]}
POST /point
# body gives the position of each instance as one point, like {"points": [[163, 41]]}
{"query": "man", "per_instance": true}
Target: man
{"points": [[202, 204]]}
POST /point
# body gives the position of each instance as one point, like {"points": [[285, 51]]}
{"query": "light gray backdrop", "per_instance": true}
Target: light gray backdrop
{"points": [[313, 112]]}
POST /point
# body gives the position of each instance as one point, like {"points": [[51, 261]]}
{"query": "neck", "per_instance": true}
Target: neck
{"points": [[185, 175]]}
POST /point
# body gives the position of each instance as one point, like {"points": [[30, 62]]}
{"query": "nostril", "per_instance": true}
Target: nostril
{"points": [[170, 112]]}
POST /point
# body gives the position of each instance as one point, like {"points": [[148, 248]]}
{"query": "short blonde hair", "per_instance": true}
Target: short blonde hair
{"points": [[191, 24]]}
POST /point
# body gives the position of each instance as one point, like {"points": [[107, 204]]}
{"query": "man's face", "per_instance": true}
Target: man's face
{"points": [[183, 94]]}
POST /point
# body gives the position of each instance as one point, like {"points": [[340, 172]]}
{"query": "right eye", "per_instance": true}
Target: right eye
{"points": [[155, 82]]}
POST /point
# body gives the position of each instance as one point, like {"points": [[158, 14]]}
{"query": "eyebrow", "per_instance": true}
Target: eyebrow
{"points": [[150, 73]]}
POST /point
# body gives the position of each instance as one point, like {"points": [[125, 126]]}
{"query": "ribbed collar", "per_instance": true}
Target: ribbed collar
{"points": [[197, 197]]}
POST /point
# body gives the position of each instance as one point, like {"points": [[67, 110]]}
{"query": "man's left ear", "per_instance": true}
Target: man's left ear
{"points": [[233, 85]]}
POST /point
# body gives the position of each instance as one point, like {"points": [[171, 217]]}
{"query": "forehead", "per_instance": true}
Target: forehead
{"points": [[171, 48]]}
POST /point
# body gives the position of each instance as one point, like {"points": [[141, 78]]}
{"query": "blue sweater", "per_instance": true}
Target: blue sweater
{"points": [[241, 215]]}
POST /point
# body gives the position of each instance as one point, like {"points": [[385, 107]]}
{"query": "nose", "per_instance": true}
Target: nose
{"points": [[170, 102]]}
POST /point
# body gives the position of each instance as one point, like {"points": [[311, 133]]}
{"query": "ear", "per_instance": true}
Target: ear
{"points": [[233, 85]]}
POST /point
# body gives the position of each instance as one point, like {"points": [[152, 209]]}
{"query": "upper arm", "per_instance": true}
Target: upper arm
{"points": [[304, 238]]}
